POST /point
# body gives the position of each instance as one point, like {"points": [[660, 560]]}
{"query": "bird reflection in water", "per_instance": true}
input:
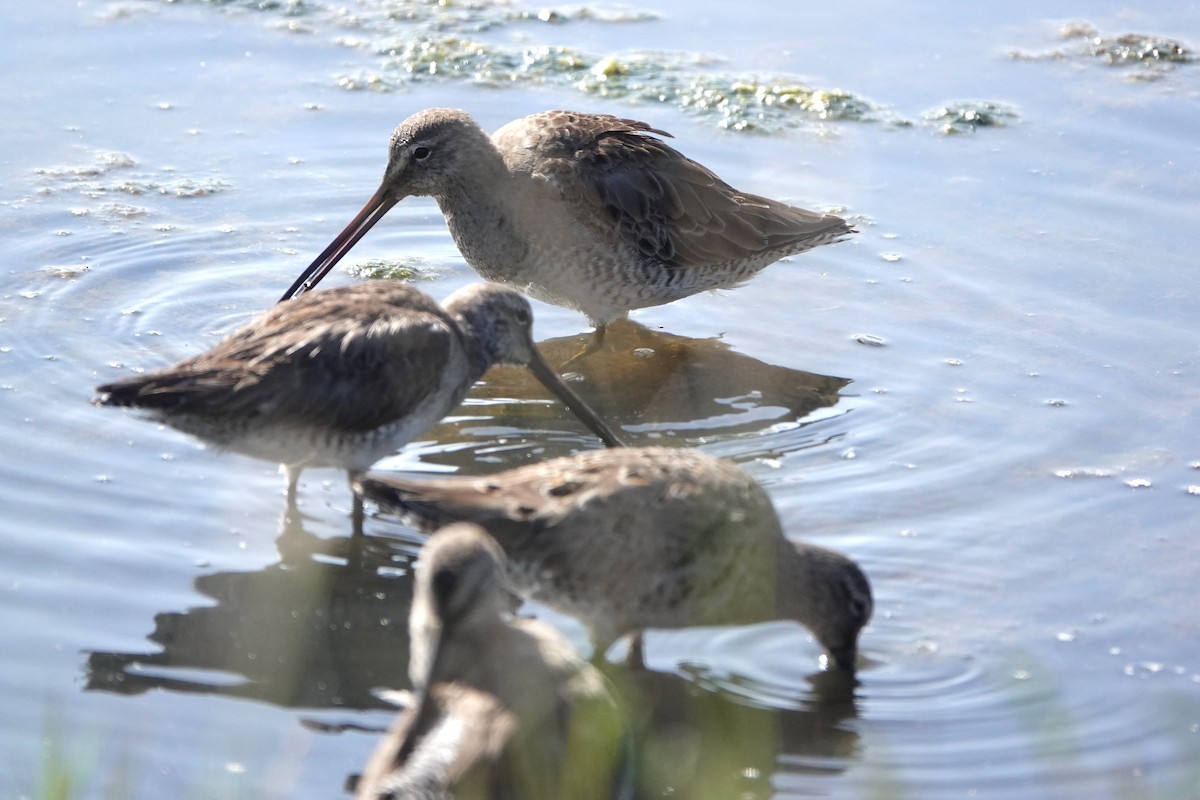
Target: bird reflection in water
{"points": [[322, 627], [660, 388], [699, 739]]}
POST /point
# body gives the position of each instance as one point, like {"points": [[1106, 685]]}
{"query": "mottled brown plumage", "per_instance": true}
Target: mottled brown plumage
{"points": [[505, 708], [642, 538], [343, 377], [588, 211]]}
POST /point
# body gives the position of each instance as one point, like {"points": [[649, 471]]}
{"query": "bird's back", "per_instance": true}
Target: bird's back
{"points": [[622, 539], [341, 365], [647, 224], [677, 211]]}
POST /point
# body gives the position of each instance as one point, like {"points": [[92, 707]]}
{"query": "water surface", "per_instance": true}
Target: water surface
{"points": [[1016, 467]]}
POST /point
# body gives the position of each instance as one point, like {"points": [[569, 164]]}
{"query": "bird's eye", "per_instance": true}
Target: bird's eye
{"points": [[421, 153], [523, 316]]}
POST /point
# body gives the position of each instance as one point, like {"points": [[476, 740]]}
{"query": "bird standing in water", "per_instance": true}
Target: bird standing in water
{"points": [[505, 707], [646, 537], [587, 211], [345, 376]]}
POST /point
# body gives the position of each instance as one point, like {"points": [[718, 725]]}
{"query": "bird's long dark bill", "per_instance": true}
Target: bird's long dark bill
{"points": [[549, 378], [372, 212]]}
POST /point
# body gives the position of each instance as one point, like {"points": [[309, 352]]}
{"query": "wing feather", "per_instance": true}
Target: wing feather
{"points": [[351, 359], [672, 209]]}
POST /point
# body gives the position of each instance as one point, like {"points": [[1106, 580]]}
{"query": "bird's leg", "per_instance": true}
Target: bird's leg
{"points": [[356, 511], [356, 548], [600, 652], [595, 345], [597, 338], [293, 477], [356, 515], [636, 657]]}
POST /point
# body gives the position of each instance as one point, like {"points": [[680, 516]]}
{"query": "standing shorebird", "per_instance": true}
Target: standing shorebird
{"points": [[343, 377], [505, 708], [639, 538], [587, 211]]}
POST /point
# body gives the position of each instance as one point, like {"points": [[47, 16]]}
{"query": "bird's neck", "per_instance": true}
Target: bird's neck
{"points": [[441, 652], [485, 217], [478, 340], [794, 586], [519, 678]]}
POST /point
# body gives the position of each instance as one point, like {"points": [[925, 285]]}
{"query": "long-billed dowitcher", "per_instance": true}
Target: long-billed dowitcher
{"points": [[639, 538], [344, 376], [587, 211], [505, 708]]}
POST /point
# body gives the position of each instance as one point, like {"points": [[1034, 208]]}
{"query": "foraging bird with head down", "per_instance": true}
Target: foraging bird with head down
{"points": [[587, 211], [646, 537]]}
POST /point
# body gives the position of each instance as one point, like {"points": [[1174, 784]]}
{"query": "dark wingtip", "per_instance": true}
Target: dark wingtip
{"points": [[110, 394], [377, 490], [417, 511]]}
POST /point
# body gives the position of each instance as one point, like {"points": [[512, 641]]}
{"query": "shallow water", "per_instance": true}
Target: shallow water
{"points": [[1017, 467]]}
